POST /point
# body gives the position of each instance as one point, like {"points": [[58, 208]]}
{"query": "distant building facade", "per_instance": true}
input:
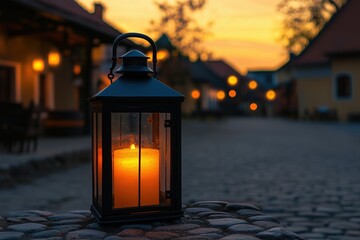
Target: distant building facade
{"points": [[325, 77], [47, 53]]}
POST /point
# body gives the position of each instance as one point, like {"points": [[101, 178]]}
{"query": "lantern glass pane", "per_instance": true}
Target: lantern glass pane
{"points": [[94, 154], [125, 159], [141, 159], [165, 163], [150, 160], [99, 157]]}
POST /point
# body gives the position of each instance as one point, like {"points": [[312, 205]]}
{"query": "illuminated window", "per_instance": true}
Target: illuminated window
{"points": [[343, 86]]}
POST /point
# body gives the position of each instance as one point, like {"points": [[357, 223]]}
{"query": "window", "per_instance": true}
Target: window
{"points": [[343, 86], [7, 84]]}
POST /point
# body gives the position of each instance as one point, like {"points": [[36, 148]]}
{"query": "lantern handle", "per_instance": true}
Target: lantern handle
{"points": [[128, 35]]}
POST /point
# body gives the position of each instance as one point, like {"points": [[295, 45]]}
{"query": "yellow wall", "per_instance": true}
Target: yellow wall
{"points": [[22, 51], [350, 66], [314, 92]]}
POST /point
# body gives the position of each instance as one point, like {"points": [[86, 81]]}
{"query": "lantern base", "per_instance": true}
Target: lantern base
{"points": [[136, 217]]}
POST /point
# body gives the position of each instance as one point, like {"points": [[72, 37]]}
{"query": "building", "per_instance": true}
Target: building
{"points": [[233, 85], [48, 56], [325, 77]]}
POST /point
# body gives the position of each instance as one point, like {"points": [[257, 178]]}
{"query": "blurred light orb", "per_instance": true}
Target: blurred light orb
{"points": [[77, 69], [253, 84], [232, 93], [195, 94], [253, 106], [193, 57], [54, 59], [220, 95], [232, 80], [204, 57], [38, 65], [162, 55], [270, 95]]}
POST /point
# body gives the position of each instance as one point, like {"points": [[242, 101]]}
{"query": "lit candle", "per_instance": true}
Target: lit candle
{"points": [[126, 177]]}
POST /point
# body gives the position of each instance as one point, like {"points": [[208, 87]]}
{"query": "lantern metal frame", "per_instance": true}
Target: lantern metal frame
{"points": [[152, 96]]}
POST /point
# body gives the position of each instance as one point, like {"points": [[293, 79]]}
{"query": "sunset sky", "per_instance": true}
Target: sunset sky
{"points": [[244, 32]]}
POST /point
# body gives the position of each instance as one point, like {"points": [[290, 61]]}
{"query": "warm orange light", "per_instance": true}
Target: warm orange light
{"points": [[253, 84], [193, 57], [232, 93], [126, 177], [270, 95], [132, 146], [54, 59], [77, 69], [253, 106], [220, 95], [204, 57], [149, 55], [232, 80], [195, 94], [38, 65], [162, 55]]}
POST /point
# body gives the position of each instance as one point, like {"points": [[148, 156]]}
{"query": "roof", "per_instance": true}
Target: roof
{"points": [[222, 69], [69, 11], [164, 43], [339, 36], [200, 73], [138, 87]]}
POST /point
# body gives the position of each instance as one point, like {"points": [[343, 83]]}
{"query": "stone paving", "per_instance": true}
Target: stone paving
{"points": [[201, 221], [305, 174]]}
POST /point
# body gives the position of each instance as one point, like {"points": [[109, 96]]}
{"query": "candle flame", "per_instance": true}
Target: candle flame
{"points": [[132, 147]]}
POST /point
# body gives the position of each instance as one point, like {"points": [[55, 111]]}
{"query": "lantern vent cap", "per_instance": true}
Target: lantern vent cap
{"points": [[134, 54], [134, 62]]}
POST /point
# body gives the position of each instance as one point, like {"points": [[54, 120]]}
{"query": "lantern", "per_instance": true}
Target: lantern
{"points": [[136, 136]]}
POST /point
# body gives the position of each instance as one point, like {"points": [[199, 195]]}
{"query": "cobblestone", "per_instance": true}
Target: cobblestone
{"points": [[27, 227], [225, 222], [239, 237], [60, 226], [47, 234], [11, 235], [245, 229]]}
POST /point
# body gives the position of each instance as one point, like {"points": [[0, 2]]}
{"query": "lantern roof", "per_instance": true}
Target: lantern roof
{"points": [[130, 87], [134, 53]]}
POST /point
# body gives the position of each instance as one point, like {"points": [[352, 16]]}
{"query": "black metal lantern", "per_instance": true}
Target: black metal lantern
{"points": [[136, 137]]}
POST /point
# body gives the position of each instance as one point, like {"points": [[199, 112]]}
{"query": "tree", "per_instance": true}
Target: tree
{"points": [[303, 19], [178, 24]]}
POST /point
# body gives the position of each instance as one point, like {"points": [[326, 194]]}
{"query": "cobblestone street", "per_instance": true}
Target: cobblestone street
{"points": [[306, 174]]}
